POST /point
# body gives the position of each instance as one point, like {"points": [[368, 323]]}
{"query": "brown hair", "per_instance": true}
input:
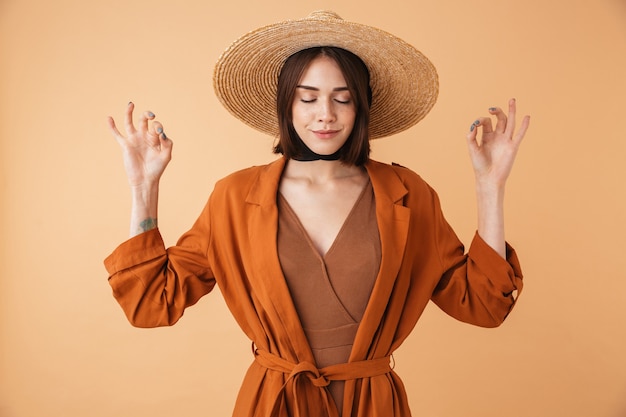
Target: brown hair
{"points": [[356, 150]]}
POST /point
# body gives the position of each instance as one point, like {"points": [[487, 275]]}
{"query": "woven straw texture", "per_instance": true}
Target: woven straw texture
{"points": [[404, 82]]}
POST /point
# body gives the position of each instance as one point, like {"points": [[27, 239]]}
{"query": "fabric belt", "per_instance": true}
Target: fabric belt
{"points": [[319, 377]]}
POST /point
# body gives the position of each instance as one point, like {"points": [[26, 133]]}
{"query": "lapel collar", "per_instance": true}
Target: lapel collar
{"points": [[263, 192], [393, 224], [267, 275]]}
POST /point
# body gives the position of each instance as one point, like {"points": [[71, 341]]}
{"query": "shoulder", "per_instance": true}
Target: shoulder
{"points": [[400, 184], [246, 177], [242, 176], [396, 172], [255, 184]]}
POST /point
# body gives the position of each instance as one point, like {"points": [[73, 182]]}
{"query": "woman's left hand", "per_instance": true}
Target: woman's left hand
{"points": [[493, 156]]}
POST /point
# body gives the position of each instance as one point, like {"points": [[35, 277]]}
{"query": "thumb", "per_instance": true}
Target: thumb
{"points": [[166, 143], [471, 137]]}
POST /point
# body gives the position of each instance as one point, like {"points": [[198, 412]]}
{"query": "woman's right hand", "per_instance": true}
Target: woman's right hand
{"points": [[146, 149]]}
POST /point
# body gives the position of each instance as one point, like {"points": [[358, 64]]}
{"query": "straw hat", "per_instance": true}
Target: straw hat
{"points": [[404, 82]]}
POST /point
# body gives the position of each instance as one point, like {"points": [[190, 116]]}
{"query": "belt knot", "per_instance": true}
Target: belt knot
{"points": [[320, 378], [310, 371]]}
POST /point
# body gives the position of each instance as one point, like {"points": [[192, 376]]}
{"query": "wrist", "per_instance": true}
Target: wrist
{"points": [[144, 208], [490, 205], [490, 189], [144, 192]]}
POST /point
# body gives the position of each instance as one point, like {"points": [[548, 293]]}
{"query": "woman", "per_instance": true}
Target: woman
{"points": [[325, 257]]}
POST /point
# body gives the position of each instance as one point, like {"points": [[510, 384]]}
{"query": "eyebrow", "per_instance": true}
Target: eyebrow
{"points": [[308, 87]]}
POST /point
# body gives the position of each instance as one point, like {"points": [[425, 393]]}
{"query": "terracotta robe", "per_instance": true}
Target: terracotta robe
{"points": [[233, 244]]}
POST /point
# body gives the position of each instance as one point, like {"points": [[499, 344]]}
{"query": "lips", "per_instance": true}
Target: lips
{"points": [[325, 134]]}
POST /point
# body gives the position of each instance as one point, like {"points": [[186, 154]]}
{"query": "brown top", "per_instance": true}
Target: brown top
{"points": [[330, 292]]}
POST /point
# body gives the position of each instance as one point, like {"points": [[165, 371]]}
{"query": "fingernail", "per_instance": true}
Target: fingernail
{"points": [[164, 135], [476, 122], [160, 130], [472, 127], [150, 114], [492, 109]]}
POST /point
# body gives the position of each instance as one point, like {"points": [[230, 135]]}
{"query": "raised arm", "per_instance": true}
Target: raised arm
{"points": [[146, 152], [492, 159]]}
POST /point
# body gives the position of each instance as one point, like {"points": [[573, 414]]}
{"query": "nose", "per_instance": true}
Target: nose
{"points": [[326, 111]]}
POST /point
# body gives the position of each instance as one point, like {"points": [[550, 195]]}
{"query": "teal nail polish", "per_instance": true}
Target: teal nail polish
{"points": [[472, 127], [476, 122], [492, 109], [159, 130], [150, 114], [164, 135]]}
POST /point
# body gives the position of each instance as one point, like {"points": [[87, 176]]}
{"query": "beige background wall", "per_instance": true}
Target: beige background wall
{"points": [[65, 347]]}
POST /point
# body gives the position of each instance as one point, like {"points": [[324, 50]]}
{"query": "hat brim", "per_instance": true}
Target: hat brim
{"points": [[404, 82]]}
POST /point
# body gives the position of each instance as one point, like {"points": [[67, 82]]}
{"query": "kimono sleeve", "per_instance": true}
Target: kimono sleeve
{"points": [[154, 285], [479, 287]]}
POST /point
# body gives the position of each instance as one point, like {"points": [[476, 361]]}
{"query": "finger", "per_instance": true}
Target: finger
{"points": [[501, 119], [510, 124], [116, 133], [152, 134], [486, 124], [166, 142], [471, 136], [128, 121], [522, 130], [157, 135], [143, 120], [158, 130]]}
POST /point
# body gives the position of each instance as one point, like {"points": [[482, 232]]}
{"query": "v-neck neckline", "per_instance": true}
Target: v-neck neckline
{"points": [[340, 232]]}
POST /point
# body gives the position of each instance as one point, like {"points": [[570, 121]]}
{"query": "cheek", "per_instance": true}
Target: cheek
{"points": [[300, 113], [350, 117]]}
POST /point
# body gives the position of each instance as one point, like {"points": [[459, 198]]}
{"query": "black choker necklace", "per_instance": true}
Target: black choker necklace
{"points": [[306, 154]]}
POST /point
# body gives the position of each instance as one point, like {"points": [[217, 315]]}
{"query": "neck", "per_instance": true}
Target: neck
{"points": [[320, 171]]}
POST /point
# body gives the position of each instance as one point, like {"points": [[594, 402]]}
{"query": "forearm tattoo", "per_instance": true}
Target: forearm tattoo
{"points": [[148, 224]]}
